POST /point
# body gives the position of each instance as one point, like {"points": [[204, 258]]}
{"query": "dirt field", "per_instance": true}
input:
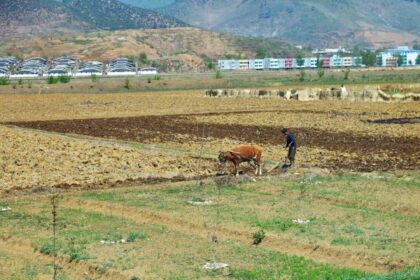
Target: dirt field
{"points": [[333, 135], [355, 180]]}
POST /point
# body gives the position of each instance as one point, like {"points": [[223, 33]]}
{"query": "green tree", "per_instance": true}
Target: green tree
{"points": [[319, 62], [356, 51], [399, 59], [321, 72], [52, 80], [4, 81], [127, 83], [346, 74], [416, 46], [210, 65], [418, 59], [94, 78], [302, 75], [261, 52], [368, 58], [64, 79], [142, 59], [300, 60]]}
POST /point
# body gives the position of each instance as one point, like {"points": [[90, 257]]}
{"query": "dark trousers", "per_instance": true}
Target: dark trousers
{"points": [[291, 154]]}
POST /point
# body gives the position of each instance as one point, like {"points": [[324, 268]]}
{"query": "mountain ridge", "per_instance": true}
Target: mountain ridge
{"points": [[323, 23], [46, 17]]}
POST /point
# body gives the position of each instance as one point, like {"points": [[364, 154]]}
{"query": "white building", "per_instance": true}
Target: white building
{"points": [[272, 63], [256, 64], [243, 64], [228, 64], [148, 71]]}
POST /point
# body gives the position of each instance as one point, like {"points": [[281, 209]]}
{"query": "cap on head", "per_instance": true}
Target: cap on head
{"points": [[283, 130]]}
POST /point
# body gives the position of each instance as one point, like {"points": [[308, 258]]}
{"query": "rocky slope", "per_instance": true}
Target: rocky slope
{"points": [[376, 23], [45, 17]]}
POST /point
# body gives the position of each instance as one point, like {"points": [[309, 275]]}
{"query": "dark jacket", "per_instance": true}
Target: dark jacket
{"points": [[290, 141]]}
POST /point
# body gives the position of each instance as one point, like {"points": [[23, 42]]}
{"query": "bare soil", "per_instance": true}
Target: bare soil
{"points": [[401, 152]]}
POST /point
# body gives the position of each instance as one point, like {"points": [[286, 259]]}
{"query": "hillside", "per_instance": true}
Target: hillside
{"points": [[27, 17], [20, 18], [378, 23], [114, 15], [175, 49], [147, 4]]}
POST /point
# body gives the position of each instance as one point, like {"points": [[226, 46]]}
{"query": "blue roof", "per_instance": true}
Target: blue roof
{"points": [[401, 51]]}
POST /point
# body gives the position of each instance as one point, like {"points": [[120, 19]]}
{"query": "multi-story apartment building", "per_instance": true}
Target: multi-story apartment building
{"points": [[325, 62], [388, 58], [256, 64], [357, 61], [288, 63], [243, 64], [230, 64], [347, 61], [272, 63], [336, 61]]}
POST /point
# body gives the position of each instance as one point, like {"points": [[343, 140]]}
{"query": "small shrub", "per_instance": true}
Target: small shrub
{"points": [[341, 241], [321, 73], [132, 236], [20, 82], [218, 74], [64, 79], [94, 78], [52, 80], [4, 81], [47, 249], [149, 80], [134, 278], [258, 236], [157, 78], [302, 75], [127, 83], [76, 252], [346, 74]]}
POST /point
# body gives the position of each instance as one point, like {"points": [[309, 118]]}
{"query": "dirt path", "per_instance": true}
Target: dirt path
{"points": [[21, 249], [318, 252]]}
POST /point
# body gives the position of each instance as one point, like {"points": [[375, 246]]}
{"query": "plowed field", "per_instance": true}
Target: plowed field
{"points": [[372, 152]]}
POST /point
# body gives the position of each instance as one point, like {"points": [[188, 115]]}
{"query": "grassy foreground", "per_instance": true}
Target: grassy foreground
{"points": [[360, 226]]}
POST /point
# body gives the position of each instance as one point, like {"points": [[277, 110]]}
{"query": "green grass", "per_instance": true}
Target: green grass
{"points": [[413, 274], [283, 267], [253, 206], [261, 79]]}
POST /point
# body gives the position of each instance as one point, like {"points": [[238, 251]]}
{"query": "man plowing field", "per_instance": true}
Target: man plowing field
{"points": [[243, 153], [292, 146]]}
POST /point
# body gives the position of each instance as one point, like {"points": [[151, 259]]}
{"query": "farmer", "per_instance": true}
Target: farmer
{"points": [[343, 92], [291, 144]]}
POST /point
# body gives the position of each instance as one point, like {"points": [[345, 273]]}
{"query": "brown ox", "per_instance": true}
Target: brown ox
{"points": [[243, 153]]}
